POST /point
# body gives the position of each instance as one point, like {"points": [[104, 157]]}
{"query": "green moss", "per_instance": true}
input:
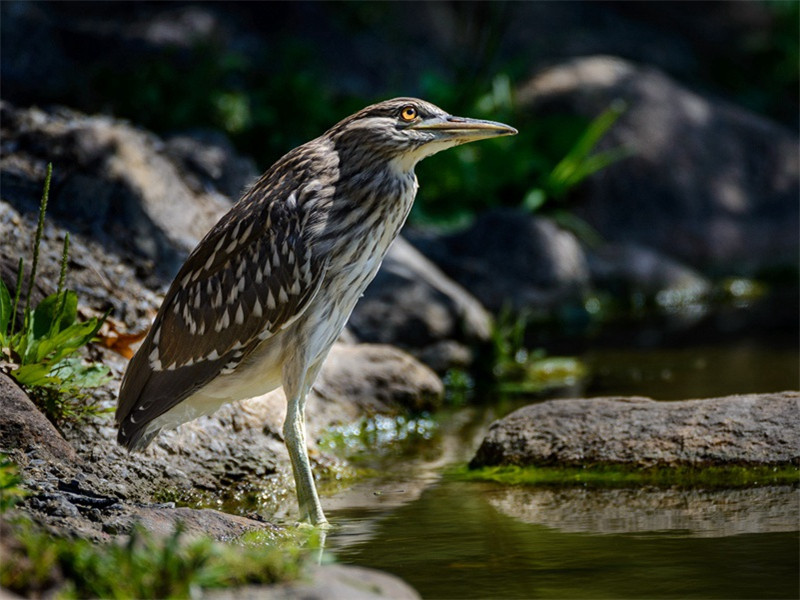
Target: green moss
{"points": [[625, 476], [142, 567]]}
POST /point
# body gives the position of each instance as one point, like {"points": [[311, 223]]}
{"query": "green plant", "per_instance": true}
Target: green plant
{"points": [[10, 480], [517, 369], [143, 567], [39, 355], [537, 169], [581, 160]]}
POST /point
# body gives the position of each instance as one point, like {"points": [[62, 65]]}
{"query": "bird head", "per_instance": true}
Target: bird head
{"points": [[403, 131]]}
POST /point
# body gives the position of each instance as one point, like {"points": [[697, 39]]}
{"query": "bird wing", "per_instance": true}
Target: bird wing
{"points": [[251, 276]]}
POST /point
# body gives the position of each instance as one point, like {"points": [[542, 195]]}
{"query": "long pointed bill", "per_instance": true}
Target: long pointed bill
{"points": [[464, 129]]}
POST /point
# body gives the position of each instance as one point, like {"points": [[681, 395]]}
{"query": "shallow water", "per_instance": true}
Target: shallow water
{"points": [[454, 542], [456, 539]]}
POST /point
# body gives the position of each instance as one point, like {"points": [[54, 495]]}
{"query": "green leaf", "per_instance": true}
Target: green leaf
{"points": [[55, 313], [77, 374], [35, 375], [582, 230], [67, 341], [5, 312], [579, 162]]}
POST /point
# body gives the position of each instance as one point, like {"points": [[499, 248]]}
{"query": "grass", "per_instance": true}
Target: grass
{"points": [[40, 353], [628, 476], [145, 566], [11, 491], [516, 369]]}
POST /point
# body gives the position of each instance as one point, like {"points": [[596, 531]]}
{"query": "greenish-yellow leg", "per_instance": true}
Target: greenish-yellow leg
{"points": [[294, 436]]}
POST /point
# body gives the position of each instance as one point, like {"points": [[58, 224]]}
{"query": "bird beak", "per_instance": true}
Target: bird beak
{"points": [[464, 129]]}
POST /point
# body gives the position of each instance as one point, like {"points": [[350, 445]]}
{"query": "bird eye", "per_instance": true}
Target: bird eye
{"points": [[409, 113]]}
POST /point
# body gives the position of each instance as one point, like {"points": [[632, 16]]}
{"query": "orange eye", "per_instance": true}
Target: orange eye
{"points": [[409, 113]]}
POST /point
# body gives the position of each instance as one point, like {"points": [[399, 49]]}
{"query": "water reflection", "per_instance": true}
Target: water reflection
{"points": [[455, 539], [703, 513], [475, 540]]}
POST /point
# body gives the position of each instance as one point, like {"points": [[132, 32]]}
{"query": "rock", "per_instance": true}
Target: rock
{"points": [[509, 258], [24, 427], [634, 269], [109, 179], [208, 160], [693, 512], [162, 521], [709, 183], [102, 278], [326, 582], [753, 429], [412, 304], [377, 378]]}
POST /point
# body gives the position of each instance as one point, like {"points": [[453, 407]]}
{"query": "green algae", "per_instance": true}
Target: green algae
{"points": [[615, 475]]}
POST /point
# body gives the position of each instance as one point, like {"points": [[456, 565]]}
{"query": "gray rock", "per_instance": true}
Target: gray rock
{"points": [[412, 304], [209, 161], [24, 427], [110, 179], [162, 520], [327, 582], [101, 278], [709, 183], [378, 378], [635, 269], [753, 429], [241, 445], [509, 258]]}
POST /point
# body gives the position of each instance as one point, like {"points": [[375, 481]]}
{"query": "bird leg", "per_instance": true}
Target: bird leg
{"points": [[295, 439]]}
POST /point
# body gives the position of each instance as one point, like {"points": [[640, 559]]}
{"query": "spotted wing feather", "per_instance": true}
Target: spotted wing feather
{"points": [[252, 275]]}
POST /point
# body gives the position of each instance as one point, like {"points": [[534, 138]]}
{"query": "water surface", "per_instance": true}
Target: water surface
{"points": [[456, 539]]}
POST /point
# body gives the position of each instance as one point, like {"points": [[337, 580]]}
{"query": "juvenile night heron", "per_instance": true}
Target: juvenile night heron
{"points": [[261, 299]]}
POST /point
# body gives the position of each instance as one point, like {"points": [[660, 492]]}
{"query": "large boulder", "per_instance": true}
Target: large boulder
{"points": [[709, 183], [412, 304], [753, 429], [120, 184], [511, 259]]}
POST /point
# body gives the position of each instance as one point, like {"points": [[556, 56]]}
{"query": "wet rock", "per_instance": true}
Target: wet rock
{"points": [[709, 183], [753, 429], [24, 427], [412, 304], [327, 582], [110, 179], [694, 512], [509, 258]]}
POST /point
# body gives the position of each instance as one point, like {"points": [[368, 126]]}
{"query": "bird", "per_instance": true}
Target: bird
{"points": [[260, 301]]}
